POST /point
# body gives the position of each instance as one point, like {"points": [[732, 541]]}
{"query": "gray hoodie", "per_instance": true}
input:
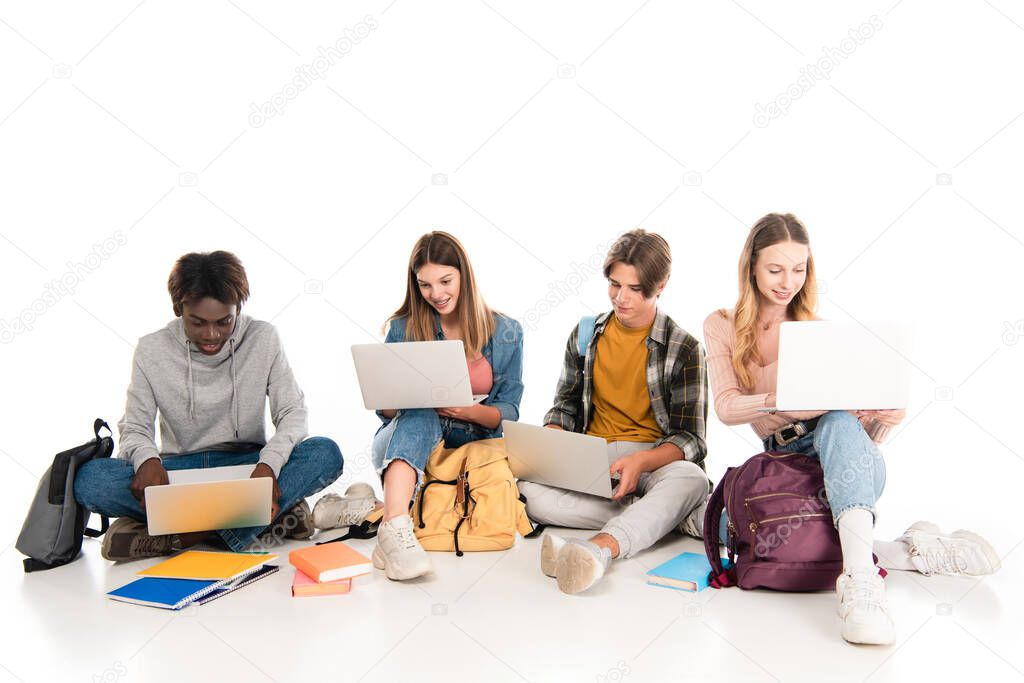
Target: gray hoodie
{"points": [[211, 403]]}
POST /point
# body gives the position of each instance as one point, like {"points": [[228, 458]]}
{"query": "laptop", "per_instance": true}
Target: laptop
{"points": [[839, 365], [208, 499], [431, 374], [567, 460]]}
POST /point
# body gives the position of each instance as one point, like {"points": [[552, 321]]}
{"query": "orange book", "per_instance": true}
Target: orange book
{"points": [[303, 586], [208, 566], [329, 562]]}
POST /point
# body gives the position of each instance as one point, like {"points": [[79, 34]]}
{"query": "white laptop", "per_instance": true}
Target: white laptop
{"points": [[839, 365], [431, 374], [208, 499], [568, 460]]}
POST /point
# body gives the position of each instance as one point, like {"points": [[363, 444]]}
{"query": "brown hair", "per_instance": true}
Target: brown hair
{"points": [[217, 274], [769, 230], [475, 318], [648, 252]]}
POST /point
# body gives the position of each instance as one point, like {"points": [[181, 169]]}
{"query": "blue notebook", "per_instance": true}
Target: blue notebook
{"points": [[175, 594], [685, 572]]}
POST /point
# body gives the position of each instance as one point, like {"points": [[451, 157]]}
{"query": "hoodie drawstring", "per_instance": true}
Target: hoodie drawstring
{"points": [[234, 387], [191, 385]]}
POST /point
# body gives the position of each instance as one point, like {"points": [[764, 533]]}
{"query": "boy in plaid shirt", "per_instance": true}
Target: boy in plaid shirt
{"points": [[641, 385]]}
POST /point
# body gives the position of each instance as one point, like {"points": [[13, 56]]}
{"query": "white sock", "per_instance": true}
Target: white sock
{"points": [[856, 528], [894, 555]]}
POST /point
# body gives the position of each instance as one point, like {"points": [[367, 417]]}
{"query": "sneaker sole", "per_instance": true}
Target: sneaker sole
{"points": [[577, 569], [859, 634], [380, 563], [990, 553], [548, 557]]}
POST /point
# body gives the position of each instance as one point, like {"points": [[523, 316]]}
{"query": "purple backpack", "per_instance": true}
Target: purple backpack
{"points": [[780, 532]]}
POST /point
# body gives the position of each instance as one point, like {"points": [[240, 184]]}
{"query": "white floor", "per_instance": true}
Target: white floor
{"points": [[493, 616]]}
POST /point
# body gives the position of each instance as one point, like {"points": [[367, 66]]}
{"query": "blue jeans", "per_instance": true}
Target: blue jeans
{"points": [[412, 435], [102, 485], [851, 462]]}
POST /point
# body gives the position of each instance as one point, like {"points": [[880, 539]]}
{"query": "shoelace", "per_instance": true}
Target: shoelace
{"points": [[406, 538], [945, 561], [149, 545], [860, 589], [350, 511]]}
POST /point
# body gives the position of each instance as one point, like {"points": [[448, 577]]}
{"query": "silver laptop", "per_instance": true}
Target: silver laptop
{"points": [[567, 460], [208, 499], [431, 374], [839, 365]]}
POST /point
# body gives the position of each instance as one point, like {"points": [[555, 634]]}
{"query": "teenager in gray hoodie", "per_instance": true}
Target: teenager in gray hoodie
{"points": [[206, 377]]}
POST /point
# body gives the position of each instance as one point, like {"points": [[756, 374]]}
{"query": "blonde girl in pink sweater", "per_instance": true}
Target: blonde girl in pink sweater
{"points": [[777, 284]]}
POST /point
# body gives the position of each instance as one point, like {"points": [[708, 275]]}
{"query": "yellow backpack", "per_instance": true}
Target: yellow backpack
{"points": [[469, 500]]}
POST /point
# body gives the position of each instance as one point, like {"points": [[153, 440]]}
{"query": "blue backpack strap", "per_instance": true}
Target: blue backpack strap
{"points": [[587, 324]]}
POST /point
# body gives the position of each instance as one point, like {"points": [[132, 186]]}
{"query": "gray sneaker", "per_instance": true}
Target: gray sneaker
{"points": [[296, 523], [333, 511], [129, 539]]}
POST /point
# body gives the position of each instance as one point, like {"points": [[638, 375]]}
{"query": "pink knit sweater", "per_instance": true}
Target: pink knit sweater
{"points": [[735, 405]]}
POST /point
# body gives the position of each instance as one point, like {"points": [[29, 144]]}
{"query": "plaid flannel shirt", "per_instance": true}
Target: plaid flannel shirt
{"points": [[677, 383]]}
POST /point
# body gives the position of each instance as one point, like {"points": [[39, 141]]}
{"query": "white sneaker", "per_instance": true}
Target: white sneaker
{"points": [[863, 608], [959, 553], [580, 565], [333, 511], [550, 546], [398, 552]]}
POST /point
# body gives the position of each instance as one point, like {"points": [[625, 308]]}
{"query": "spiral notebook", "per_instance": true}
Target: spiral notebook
{"points": [[174, 594], [207, 565]]}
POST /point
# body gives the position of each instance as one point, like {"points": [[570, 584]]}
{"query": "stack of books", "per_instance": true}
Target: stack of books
{"points": [[194, 577], [326, 569]]}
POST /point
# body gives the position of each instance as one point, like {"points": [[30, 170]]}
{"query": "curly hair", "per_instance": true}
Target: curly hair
{"points": [[215, 274]]}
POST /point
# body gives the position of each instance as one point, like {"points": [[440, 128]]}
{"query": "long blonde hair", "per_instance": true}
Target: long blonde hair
{"points": [[769, 230], [475, 318]]}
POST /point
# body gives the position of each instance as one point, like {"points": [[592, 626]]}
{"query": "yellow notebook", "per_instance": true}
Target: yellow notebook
{"points": [[208, 566]]}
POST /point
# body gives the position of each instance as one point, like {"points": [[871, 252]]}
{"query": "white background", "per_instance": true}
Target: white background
{"points": [[536, 134]]}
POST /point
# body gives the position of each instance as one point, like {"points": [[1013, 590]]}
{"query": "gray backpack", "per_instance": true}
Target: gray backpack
{"points": [[55, 524]]}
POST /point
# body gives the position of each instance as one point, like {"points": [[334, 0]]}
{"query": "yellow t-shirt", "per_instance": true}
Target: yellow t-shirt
{"points": [[621, 403]]}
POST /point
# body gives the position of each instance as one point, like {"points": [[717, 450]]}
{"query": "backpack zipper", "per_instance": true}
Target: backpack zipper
{"points": [[780, 493], [754, 525]]}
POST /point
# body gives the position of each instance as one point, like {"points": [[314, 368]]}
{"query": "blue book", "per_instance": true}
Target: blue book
{"points": [[163, 593], [685, 572], [175, 594]]}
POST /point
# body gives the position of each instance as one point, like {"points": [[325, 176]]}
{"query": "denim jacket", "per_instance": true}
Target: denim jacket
{"points": [[504, 351]]}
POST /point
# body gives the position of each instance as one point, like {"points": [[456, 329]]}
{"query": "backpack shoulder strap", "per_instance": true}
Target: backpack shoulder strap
{"points": [[96, 533], [720, 577], [587, 324], [533, 529]]}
